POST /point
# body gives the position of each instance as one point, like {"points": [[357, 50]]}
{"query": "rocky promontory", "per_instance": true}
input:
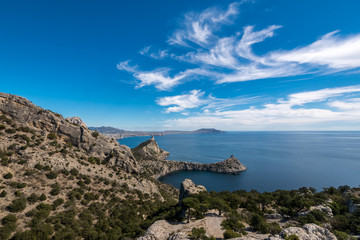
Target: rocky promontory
{"points": [[153, 160]]}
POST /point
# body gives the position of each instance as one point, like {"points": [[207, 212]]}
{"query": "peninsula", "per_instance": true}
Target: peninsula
{"points": [[121, 133]]}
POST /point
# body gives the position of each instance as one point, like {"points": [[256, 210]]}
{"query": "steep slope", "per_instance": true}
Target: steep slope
{"points": [[58, 178]]}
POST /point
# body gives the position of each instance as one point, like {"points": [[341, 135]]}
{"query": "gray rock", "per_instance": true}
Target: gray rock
{"points": [[25, 113], [76, 121], [273, 216], [309, 232], [188, 188]]}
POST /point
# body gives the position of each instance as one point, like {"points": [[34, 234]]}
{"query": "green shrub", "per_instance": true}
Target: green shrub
{"points": [[33, 198], [17, 205], [3, 193], [343, 236], [39, 166], [8, 175], [17, 185], [2, 127], [74, 172], [51, 136], [10, 130], [51, 175], [292, 237], [55, 189], [198, 233], [95, 134], [231, 234], [57, 203], [42, 197]]}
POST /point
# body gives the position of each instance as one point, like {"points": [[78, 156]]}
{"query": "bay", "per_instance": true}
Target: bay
{"points": [[275, 160]]}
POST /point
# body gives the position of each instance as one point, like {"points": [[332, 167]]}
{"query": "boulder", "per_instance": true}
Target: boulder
{"points": [[188, 188], [309, 232]]}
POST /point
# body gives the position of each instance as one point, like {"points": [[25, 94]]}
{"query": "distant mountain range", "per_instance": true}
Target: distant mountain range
{"points": [[121, 133]]}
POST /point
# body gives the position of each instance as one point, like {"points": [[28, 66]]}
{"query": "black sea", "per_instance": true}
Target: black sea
{"points": [[275, 160]]}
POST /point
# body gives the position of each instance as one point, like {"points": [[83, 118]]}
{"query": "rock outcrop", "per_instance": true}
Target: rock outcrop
{"points": [[27, 114], [153, 160], [76, 121], [188, 188], [149, 150], [308, 232]]}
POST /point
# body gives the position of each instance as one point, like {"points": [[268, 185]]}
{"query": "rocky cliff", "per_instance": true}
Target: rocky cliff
{"points": [[153, 162], [54, 128]]}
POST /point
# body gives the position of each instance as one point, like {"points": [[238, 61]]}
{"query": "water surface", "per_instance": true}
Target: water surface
{"points": [[275, 160]]}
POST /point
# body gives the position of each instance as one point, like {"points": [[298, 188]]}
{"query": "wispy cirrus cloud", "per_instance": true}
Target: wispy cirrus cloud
{"points": [[181, 102], [286, 113], [161, 77], [229, 59], [197, 99], [198, 28]]}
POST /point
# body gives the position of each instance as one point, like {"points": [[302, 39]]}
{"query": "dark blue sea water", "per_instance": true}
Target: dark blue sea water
{"points": [[275, 160]]}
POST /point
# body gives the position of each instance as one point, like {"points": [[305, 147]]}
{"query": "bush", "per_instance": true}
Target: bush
{"points": [[42, 197], [51, 175], [74, 172], [33, 198], [51, 136], [55, 189], [8, 175], [39, 166], [343, 236], [3, 194], [231, 234], [17, 205], [57, 203], [2, 127], [9, 225], [292, 237], [258, 223], [198, 233], [95, 134], [10, 130], [17, 185]]}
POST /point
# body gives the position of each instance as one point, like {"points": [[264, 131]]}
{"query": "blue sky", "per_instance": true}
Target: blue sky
{"points": [[157, 65]]}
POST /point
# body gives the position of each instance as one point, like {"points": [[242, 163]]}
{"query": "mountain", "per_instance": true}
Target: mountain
{"points": [[120, 133]]}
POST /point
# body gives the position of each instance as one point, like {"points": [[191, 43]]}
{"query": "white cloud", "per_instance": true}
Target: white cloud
{"points": [[181, 102], [160, 78], [350, 104], [330, 50], [229, 59], [198, 28], [196, 99], [284, 114]]}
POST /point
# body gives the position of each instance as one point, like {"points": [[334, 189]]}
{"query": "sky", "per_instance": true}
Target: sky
{"points": [[248, 65]]}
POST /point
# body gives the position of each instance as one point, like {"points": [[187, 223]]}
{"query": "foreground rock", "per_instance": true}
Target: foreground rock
{"points": [[162, 229], [307, 232], [153, 161], [188, 188]]}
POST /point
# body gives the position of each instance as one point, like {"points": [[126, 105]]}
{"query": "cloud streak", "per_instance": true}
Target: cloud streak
{"points": [[229, 59], [283, 113]]}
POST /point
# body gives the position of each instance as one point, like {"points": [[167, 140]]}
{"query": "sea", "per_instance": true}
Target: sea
{"points": [[274, 160]]}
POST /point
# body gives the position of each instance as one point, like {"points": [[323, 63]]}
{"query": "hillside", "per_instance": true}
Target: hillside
{"points": [[62, 180]]}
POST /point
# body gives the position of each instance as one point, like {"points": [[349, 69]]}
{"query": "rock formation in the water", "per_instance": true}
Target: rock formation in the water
{"points": [[149, 150], [153, 161], [188, 187]]}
